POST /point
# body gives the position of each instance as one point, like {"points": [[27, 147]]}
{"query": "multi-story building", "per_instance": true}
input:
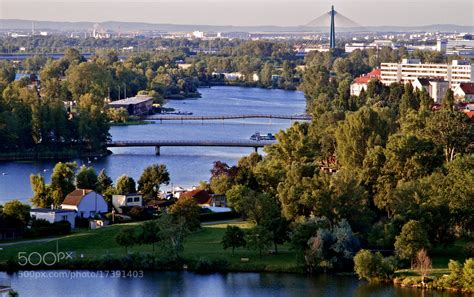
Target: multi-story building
{"points": [[410, 69]]}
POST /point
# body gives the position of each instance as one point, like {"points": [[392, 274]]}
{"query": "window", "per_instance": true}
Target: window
{"points": [[129, 199], [136, 199], [64, 218]]}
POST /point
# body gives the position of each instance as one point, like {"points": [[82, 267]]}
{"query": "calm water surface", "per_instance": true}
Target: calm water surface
{"points": [[187, 165], [210, 285]]}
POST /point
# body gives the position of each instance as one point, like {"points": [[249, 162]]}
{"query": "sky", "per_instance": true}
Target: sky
{"points": [[243, 12]]}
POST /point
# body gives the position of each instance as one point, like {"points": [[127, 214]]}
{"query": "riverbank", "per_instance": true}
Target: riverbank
{"points": [[203, 253]]}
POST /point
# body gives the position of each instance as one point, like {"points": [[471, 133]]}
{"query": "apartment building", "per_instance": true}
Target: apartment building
{"points": [[408, 70]]}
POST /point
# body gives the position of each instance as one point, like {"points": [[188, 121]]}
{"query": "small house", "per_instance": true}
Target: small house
{"points": [[464, 92], [86, 203], [54, 215], [205, 199], [119, 202]]}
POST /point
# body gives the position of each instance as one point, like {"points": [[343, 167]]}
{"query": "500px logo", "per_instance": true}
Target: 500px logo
{"points": [[48, 258]]}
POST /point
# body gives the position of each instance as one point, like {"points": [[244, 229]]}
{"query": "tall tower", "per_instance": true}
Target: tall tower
{"points": [[332, 34]]}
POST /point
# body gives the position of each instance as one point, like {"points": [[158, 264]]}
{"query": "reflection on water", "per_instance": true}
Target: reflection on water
{"points": [[228, 284]]}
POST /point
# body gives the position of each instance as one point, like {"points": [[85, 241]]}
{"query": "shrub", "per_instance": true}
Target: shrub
{"points": [[138, 213], [206, 265], [374, 267]]}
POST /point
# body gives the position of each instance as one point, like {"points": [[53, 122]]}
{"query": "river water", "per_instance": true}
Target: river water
{"points": [[187, 165], [64, 283]]}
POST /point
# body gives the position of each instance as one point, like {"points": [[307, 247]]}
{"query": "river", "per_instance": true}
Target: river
{"points": [[187, 165], [65, 283]]}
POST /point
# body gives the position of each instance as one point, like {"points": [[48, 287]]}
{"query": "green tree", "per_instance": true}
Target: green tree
{"points": [[152, 177], [149, 233], [62, 181], [125, 185], [451, 129], [172, 233], [448, 100], [360, 131], [41, 192], [258, 238], [412, 239], [17, 212], [126, 237], [233, 237], [189, 210], [86, 178], [103, 181]]}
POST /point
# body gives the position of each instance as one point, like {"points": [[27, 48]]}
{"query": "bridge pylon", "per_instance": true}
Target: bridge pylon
{"points": [[157, 150]]}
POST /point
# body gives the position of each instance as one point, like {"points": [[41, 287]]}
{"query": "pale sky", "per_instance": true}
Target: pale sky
{"points": [[243, 12]]}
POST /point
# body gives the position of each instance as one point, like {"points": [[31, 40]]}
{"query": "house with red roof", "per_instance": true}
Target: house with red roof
{"points": [[205, 199], [464, 92], [361, 82]]}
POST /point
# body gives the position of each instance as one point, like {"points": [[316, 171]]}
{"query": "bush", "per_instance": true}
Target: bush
{"points": [[205, 265], [42, 228], [82, 222], [374, 267], [138, 213], [218, 216]]}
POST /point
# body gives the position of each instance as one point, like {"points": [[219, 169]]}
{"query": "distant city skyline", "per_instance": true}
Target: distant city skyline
{"points": [[244, 12]]}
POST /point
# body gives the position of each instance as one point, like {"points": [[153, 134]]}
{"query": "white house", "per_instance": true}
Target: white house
{"points": [[361, 82], [128, 200], [54, 215], [464, 92], [436, 88], [86, 203]]}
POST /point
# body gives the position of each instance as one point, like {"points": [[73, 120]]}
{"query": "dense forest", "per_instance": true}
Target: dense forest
{"points": [[379, 171]]}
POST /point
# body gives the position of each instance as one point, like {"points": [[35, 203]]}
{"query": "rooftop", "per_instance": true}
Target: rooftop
{"points": [[132, 100], [468, 88], [75, 197]]}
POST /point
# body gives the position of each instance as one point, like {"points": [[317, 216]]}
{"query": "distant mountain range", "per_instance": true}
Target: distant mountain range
{"points": [[16, 24]]}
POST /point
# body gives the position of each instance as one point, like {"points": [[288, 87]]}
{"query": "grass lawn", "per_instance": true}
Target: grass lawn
{"points": [[205, 243]]}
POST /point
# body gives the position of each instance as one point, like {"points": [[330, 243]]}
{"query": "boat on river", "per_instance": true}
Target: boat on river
{"points": [[257, 136]]}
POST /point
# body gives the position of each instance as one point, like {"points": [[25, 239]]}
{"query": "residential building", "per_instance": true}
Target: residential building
{"points": [[409, 69], [205, 199], [54, 215], [361, 82], [139, 105], [436, 88], [119, 202], [86, 203], [464, 92]]}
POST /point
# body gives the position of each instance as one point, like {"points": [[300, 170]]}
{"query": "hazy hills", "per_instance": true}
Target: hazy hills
{"points": [[16, 24]]}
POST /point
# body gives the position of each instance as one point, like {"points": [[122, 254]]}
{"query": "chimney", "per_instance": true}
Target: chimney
{"points": [[52, 206]]}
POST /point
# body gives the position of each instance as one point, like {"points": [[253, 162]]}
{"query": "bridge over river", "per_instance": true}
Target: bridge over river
{"points": [[256, 144], [182, 118]]}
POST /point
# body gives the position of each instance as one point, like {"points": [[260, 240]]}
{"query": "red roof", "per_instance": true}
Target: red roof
{"points": [[468, 88], [365, 78], [75, 197], [200, 196]]}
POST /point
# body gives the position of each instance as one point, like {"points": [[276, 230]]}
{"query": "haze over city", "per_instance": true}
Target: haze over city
{"points": [[243, 13]]}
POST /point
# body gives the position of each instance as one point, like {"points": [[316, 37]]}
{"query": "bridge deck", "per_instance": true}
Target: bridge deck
{"points": [[159, 143], [226, 117]]}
